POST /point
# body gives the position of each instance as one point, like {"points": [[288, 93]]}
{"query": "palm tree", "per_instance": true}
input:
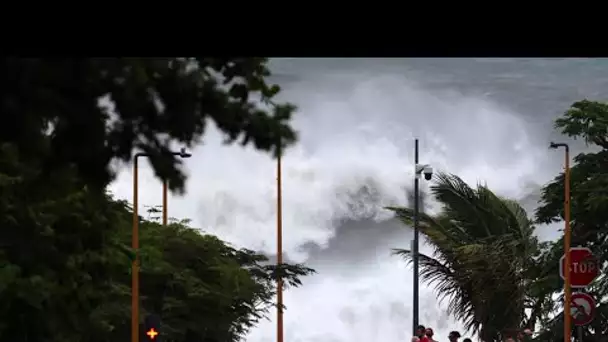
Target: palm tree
{"points": [[485, 257]]}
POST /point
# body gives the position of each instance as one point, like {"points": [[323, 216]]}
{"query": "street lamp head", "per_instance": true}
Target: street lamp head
{"points": [[554, 145], [184, 154]]}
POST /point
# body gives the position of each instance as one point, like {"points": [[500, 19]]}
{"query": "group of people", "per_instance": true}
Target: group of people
{"points": [[424, 334]]}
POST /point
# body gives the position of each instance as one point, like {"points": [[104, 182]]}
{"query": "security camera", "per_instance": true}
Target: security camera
{"points": [[428, 172]]}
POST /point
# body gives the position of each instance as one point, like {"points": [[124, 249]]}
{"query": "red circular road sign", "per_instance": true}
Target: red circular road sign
{"points": [[583, 267], [582, 308]]}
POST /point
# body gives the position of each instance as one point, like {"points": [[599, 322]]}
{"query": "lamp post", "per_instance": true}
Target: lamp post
{"points": [[135, 241], [279, 250], [567, 237], [427, 170], [135, 247]]}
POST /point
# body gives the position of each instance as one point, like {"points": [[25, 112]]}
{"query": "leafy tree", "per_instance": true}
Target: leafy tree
{"points": [[64, 266], [204, 289], [589, 178], [56, 268], [155, 102], [587, 120], [485, 257]]}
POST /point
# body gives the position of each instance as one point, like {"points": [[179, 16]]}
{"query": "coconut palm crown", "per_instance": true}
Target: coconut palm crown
{"points": [[484, 255]]}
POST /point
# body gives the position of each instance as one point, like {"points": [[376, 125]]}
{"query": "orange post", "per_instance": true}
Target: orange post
{"points": [[135, 264], [135, 242], [567, 236], [279, 252]]}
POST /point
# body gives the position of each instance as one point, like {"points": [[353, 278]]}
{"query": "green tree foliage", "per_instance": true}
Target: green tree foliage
{"points": [[51, 110], [204, 289], [586, 120], [589, 178], [56, 269], [65, 267], [64, 258], [484, 256]]}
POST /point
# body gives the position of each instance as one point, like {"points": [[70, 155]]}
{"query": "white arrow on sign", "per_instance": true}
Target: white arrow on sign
{"points": [[583, 305]]}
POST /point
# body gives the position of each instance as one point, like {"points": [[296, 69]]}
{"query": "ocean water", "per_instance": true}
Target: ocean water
{"points": [[487, 120]]}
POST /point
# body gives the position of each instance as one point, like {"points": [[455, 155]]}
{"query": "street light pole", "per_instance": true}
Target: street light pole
{"points": [[416, 241], [279, 250], [135, 240], [134, 262], [567, 237], [428, 174], [183, 154]]}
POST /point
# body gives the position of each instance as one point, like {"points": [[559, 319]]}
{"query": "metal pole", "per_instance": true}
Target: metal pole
{"points": [[567, 236], [279, 251], [416, 236], [135, 264], [580, 334], [165, 203], [135, 242]]}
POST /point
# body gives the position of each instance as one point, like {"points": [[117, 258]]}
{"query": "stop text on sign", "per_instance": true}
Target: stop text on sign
{"points": [[583, 267]]}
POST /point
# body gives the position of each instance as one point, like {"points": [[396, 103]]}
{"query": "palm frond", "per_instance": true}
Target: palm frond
{"points": [[441, 226], [447, 287], [483, 249], [461, 203]]}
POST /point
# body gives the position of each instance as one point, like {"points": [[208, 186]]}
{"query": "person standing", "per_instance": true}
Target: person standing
{"points": [[525, 335], [421, 333], [454, 336], [429, 333]]}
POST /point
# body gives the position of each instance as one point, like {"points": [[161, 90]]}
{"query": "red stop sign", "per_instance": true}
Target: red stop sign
{"points": [[583, 267]]}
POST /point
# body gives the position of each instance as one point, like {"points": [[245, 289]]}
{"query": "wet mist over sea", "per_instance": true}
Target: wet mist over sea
{"points": [[487, 120]]}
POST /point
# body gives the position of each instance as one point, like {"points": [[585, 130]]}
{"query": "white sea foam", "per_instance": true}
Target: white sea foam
{"points": [[357, 131]]}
